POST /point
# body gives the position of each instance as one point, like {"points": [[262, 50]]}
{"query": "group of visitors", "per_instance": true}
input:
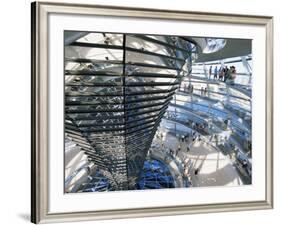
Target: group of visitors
{"points": [[175, 152], [188, 89], [221, 140], [185, 141], [196, 137], [185, 138], [171, 115], [204, 91], [201, 127], [223, 73]]}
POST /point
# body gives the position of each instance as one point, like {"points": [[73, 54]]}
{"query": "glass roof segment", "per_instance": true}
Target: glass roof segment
{"points": [[214, 45], [155, 175]]}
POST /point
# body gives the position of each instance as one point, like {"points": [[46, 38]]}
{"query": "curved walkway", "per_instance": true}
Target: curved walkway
{"points": [[212, 167]]}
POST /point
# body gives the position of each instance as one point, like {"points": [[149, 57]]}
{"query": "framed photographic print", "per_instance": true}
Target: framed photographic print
{"points": [[146, 112]]}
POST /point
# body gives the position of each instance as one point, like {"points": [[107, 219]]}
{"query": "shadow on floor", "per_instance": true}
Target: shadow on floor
{"points": [[24, 216]]}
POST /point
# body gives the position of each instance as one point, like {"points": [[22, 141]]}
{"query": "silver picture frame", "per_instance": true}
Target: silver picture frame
{"points": [[39, 99]]}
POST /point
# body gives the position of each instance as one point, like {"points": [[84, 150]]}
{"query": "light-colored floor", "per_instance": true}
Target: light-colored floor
{"points": [[214, 168]]}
